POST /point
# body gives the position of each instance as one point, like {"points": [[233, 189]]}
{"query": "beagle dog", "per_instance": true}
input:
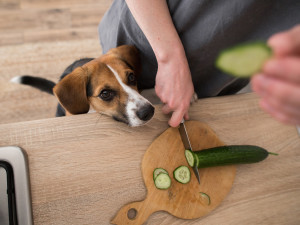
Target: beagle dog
{"points": [[107, 85]]}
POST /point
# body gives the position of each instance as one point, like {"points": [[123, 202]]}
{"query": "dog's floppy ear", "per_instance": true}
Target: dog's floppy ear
{"points": [[129, 54], [71, 92]]}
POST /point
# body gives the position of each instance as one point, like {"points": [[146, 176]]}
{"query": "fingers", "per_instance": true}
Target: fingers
{"points": [[279, 83], [283, 113], [177, 114], [176, 118], [287, 69], [285, 92], [186, 116], [279, 98], [166, 109], [286, 43]]}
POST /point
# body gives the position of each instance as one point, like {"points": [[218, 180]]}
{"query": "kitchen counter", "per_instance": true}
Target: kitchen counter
{"points": [[84, 168]]}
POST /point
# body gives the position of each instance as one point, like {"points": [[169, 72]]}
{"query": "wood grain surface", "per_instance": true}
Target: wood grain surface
{"points": [[181, 200], [84, 168], [27, 21], [42, 38]]}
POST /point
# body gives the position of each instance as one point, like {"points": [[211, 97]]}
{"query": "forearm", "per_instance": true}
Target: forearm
{"points": [[173, 82], [155, 20]]}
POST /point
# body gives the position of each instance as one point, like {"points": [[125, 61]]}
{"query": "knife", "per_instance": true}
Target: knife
{"points": [[187, 145]]}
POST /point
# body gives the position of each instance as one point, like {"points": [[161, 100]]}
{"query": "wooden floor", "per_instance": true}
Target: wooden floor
{"points": [[42, 37]]}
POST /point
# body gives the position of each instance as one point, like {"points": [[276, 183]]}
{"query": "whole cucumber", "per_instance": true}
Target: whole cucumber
{"points": [[230, 155]]}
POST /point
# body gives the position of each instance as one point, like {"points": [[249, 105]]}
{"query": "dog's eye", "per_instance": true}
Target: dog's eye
{"points": [[107, 95], [131, 79]]}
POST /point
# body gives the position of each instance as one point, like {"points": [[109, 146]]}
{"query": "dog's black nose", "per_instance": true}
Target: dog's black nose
{"points": [[145, 112]]}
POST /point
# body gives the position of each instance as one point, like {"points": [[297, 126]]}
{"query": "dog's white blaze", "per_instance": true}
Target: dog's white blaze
{"points": [[135, 100]]}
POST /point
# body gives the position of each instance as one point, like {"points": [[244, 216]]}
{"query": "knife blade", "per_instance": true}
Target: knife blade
{"points": [[187, 145]]}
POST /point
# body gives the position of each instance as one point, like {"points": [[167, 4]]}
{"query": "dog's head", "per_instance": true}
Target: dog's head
{"points": [[108, 85]]}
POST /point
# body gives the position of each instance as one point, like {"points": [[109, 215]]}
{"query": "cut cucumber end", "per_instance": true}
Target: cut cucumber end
{"points": [[182, 174], [189, 155], [244, 60], [162, 181]]}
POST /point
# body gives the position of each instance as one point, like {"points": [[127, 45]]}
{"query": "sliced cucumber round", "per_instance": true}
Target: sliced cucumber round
{"points": [[162, 181], [191, 160], [157, 171], [182, 174], [244, 60]]}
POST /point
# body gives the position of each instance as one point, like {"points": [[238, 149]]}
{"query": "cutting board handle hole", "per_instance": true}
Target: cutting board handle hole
{"points": [[132, 213]]}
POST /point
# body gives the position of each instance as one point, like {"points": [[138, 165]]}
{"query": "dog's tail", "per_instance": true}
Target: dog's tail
{"points": [[36, 82]]}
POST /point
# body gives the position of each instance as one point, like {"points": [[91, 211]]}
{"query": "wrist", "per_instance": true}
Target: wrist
{"points": [[169, 52]]}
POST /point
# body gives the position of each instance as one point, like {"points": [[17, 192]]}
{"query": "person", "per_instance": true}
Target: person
{"points": [[278, 84], [179, 41]]}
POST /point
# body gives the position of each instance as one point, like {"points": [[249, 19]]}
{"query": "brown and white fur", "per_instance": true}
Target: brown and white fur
{"points": [[107, 85]]}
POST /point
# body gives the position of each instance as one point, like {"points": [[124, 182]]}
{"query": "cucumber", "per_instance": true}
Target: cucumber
{"points": [[162, 181], [205, 198], [227, 155], [191, 160], [182, 174], [243, 60], [157, 171]]}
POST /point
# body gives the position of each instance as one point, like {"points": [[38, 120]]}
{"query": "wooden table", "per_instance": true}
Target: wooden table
{"points": [[84, 168]]}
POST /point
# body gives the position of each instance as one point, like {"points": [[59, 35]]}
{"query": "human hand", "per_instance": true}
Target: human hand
{"points": [[174, 87], [174, 84], [279, 82]]}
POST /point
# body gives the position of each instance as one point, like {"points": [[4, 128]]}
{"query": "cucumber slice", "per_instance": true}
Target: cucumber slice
{"points": [[205, 198], [162, 181], [229, 155], [191, 160], [244, 60], [182, 174], [157, 171]]}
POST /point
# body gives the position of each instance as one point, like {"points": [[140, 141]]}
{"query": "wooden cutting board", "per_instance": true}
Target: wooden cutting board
{"points": [[181, 200]]}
